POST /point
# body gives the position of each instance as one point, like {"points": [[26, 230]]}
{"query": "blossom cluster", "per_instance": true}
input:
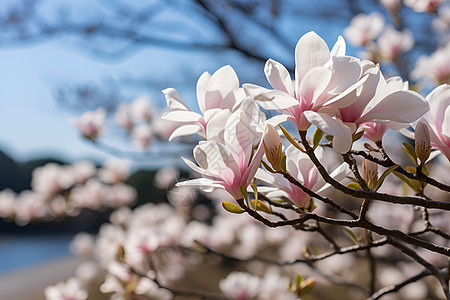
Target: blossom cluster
{"points": [[65, 190]]}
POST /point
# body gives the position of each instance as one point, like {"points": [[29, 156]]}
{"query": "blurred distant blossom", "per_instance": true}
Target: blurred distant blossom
{"points": [[7, 201], [365, 28], [91, 123], [82, 171], [166, 177], [391, 5], [429, 6], [123, 117], [51, 179], [182, 196], [82, 245], [142, 135], [435, 68], [141, 109], [442, 23], [240, 286], [114, 171], [72, 289], [392, 43]]}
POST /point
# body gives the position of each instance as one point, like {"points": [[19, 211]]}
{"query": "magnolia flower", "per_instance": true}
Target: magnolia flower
{"points": [[375, 100], [429, 6], [91, 123], [231, 165], [114, 171], [299, 166], [435, 68], [123, 117], [364, 28], [392, 43], [218, 95], [273, 147], [142, 135], [322, 78], [437, 119], [72, 289], [240, 286], [141, 109], [391, 5]]}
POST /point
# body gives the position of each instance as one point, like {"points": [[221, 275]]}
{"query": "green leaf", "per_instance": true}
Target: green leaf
{"points": [[283, 163], [405, 179], [244, 192], [354, 186], [351, 235], [232, 208], [259, 205], [411, 169], [291, 139], [357, 135], [255, 190], [384, 175], [410, 152], [317, 137], [268, 168], [425, 170], [352, 178], [329, 137]]}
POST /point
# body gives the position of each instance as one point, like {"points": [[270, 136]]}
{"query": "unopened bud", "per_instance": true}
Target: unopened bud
{"points": [[423, 144], [370, 173], [273, 147]]}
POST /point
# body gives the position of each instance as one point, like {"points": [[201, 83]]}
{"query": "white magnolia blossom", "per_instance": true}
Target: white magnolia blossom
{"points": [[72, 289], [114, 171], [392, 42], [142, 135], [218, 95], [391, 4], [141, 109], [91, 123], [435, 68], [429, 6], [240, 286], [363, 29]]}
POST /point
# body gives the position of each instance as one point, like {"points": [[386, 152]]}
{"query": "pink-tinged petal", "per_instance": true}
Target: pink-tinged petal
{"points": [[211, 113], [311, 51], [269, 99], [182, 116], [253, 166], [202, 183], [199, 170], [216, 160], [215, 128], [233, 100], [202, 83], [326, 123], [399, 106], [278, 77], [342, 143], [313, 85], [186, 130], [221, 83], [439, 100], [173, 100], [346, 72], [445, 130], [339, 47], [347, 97], [239, 138]]}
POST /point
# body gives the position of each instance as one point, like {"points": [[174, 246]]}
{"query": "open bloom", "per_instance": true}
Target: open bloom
{"points": [[303, 169], [435, 68], [322, 78], [230, 165], [438, 119], [218, 95], [364, 28], [392, 42], [91, 123], [373, 101]]}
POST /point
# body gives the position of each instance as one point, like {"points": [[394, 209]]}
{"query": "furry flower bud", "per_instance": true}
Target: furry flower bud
{"points": [[370, 173], [423, 143], [273, 147]]}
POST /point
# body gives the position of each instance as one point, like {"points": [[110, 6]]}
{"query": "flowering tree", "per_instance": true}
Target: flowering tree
{"points": [[310, 199]]}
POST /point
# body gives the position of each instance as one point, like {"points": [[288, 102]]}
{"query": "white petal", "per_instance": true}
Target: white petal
{"points": [[215, 126], [202, 83], [221, 83], [185, 130], [326, 123], [278, 77], [270, 99], [400, 106], [314, 84], [182, 116], [202, 183], [173, 100], [339, 47], [342, 143], [311, 51], [216, 159]]}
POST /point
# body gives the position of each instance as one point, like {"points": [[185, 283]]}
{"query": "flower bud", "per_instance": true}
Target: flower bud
{"points": [[423, 144], [273, 147], [370, 173]]}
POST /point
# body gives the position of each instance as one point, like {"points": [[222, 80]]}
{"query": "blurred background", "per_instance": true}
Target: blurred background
{"points": [[59, 59]]}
